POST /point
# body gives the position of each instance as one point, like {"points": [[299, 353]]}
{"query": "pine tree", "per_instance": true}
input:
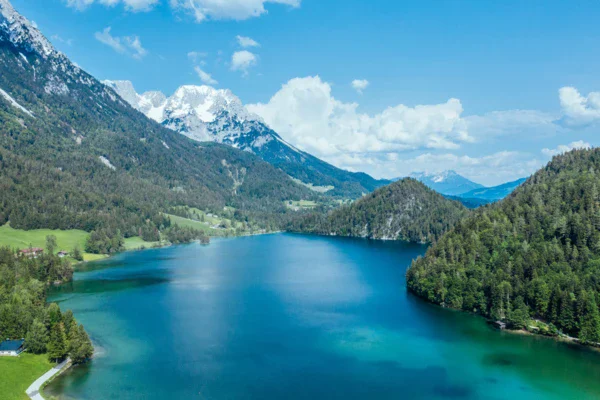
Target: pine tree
{"points": [[57, 345], [37, 337], [51, 244], [54, 315], [81, 348], [589, 319]]}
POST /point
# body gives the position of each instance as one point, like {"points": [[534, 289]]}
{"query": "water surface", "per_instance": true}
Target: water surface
{"points": [[296, 317]]}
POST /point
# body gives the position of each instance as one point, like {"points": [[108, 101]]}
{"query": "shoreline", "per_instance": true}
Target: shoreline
{"points": [[561, 337], [36, 389], [169, 244]]}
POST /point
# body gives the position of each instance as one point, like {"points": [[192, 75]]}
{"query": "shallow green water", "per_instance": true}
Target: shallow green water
{"points": [[297, 317]]}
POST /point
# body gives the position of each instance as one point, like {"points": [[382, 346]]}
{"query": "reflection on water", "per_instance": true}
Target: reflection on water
{"points": [[297, 317]]}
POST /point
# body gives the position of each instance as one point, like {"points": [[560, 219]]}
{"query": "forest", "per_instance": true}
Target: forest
{"points": [[533, 256], [404, 210], [84, 159], [23, 310]]}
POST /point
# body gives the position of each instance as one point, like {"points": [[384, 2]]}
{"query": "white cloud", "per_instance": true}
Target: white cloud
{"points": [[203, 10], [360, 84], [205, 77], [134, 43], [243, 60], [563, 148], [130, 45], [577, 109], [490, 169], [196, 56], [245, 41], [512, 122], [305, 113], [131, 5], [58, 39]]}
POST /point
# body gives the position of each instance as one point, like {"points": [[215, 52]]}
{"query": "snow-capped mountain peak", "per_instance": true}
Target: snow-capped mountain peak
{"points": [[437, 177], [21, 32], [204, 113], [446, 182]]}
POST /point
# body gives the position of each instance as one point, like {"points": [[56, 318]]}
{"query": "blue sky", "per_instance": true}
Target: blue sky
{"points": [[503, 63]]}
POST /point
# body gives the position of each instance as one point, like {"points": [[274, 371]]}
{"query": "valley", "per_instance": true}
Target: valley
{"points": [[180, 242]]}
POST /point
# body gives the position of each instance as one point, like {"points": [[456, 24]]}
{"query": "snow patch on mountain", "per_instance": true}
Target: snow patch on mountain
{"points": [[203, 113], [14, 103], [106, 162], [21, 32]]}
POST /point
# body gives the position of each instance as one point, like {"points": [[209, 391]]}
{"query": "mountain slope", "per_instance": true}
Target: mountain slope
{"points": [[203, 113], [446, 182], [74, 155], [534, 254], [493, 193], [403, 210]]}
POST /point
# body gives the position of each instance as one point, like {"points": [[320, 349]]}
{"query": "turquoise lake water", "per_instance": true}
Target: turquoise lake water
{"points": [[297, 317]]}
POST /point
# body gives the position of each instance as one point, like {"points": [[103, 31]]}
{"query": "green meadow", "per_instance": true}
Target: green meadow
{"points": [[17, 373]]}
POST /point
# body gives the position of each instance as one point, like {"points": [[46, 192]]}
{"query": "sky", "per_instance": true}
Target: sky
{"points": [[489, 89]]}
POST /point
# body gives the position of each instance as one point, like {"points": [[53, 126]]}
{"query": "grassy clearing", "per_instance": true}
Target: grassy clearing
{"points": [[302, 204], [66, 240], [17, 373], [136, 243], [20, 239], [201, 226]]}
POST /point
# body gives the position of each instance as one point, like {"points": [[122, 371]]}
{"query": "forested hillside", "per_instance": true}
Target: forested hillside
{"points": [[25, 314], [535, 254], [403, 210], [74, 155]]}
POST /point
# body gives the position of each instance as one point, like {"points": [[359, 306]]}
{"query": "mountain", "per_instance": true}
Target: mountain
{"points": [[446, 182], [533, 255], [204, 114], [469, 202], [404, 210], [493, 193], [73, 154]]}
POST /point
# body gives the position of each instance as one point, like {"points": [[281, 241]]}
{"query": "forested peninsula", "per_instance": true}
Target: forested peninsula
{"points": [[404, 210], [533, 257]]}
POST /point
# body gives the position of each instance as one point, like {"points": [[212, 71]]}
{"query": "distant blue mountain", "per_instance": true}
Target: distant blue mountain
{"points": [[493, 193], [447, 183]]}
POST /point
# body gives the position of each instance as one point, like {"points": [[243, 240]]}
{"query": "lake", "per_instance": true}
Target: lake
{"points": [[296, 317]]}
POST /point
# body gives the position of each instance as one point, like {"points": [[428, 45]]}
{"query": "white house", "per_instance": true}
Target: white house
{"points": [[11, 348]]}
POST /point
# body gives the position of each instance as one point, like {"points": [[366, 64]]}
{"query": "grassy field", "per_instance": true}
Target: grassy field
{"points": [[136, 243], [17, 373], [302, 204], [201, 226], [20, 239], [66, 240]]}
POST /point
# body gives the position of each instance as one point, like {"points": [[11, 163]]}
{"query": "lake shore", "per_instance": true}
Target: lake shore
{"points": [[35, 390]]}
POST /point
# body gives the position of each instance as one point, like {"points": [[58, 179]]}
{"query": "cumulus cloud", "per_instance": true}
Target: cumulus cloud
{"points": [[131, 5], [512, 122], [205, 77], [492, 169], [579, 110], [59, 39], [243, 60], [197, 57], [202, 10], [563, 148], [245, 41], [130, 45], [305, 113], [360, 84]]}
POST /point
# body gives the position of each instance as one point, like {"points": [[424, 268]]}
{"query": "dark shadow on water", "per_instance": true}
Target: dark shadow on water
{"points": [[105, 285], [501, 359]]}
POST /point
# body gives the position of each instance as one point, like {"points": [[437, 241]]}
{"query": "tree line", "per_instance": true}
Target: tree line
{"points": [[404, 210], [25, 314], [534, 255]]}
